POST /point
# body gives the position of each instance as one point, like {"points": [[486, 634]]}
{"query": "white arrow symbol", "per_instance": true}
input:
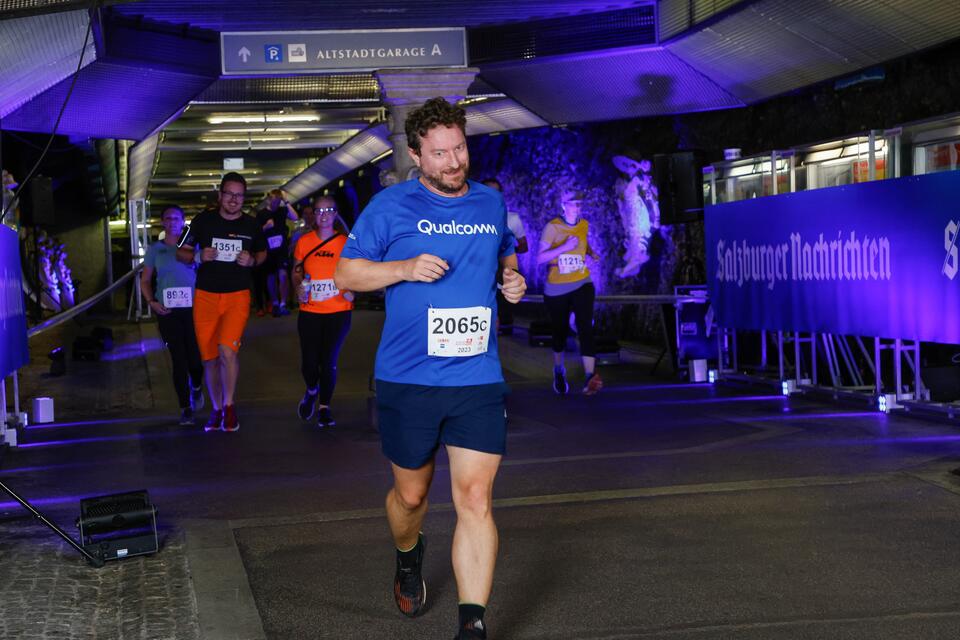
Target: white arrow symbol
{"points": [[244, 53]]}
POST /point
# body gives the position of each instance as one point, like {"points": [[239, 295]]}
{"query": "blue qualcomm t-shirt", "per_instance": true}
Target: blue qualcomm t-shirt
{"points": [[470, 232]]}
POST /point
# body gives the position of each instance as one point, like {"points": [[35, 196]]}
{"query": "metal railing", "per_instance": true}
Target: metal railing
{"points": [[60, 318], [8, 436]]}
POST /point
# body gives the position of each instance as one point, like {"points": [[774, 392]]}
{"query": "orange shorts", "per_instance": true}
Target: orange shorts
{"points": [[219, 319]]}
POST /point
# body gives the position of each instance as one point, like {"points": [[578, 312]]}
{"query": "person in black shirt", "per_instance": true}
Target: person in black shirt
{"points": [[273, 222], [230, 244]]}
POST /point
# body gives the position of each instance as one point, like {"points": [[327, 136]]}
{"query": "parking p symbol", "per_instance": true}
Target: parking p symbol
{"points": [[273, 53]]}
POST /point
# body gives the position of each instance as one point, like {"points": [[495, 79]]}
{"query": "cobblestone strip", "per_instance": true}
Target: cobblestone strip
{"points": [[48, 591]]}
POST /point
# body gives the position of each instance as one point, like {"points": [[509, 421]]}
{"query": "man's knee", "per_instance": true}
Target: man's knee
{"points": [[473, 498], [227, 354], [410, 497]]}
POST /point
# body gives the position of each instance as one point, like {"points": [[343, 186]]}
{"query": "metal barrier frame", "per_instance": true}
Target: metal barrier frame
{"points": [[8, 436]]}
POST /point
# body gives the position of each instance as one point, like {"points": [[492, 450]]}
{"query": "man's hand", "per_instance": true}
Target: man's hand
{"points": [[423, 268], [570, 243], [514, 286], [268, 224], [246, 259], [158, 308], [209, 254]]}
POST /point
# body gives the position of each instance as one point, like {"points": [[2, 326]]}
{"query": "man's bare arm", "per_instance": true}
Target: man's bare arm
{"points": [[358, 274]]}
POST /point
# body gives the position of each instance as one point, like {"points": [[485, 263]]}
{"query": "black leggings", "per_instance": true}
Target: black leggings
{"points": [[176, 329], [559, 307], [321, 336]]}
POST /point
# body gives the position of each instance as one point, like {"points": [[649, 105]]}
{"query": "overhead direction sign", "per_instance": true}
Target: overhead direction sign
{"points": [[292, 52]]}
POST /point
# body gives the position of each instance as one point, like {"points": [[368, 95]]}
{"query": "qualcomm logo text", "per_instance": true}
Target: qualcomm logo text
{"points": [[951, 262], [455, 229]]}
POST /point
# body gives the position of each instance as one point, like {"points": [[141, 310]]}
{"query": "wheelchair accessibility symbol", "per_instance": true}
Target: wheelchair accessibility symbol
{"points": [[273, 53]]}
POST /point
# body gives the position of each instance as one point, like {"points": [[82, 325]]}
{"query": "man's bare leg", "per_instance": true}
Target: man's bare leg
{"points": [[229, 372], [475, 539], [211, 371], [407, 503]]}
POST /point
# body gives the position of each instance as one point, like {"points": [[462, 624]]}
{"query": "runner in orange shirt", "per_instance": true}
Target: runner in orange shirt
{"points": [[324, 318]]}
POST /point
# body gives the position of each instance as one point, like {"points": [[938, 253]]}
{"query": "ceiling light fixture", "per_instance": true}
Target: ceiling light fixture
{"points": [[253, 118]]}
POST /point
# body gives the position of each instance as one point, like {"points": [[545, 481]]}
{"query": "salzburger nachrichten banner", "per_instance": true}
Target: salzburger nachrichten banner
{"points": [[872, 259]]}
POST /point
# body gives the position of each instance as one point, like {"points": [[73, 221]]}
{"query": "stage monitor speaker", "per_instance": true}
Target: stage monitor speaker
{"points": [[679, 180], [119, 525], [38, 207]]}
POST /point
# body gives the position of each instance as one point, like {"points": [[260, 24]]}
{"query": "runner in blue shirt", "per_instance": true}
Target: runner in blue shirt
{"points": [[438, 244], [172, 301]]}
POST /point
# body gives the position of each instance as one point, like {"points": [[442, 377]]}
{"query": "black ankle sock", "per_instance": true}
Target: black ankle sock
{"points": [[408, 559], [470, 614]]}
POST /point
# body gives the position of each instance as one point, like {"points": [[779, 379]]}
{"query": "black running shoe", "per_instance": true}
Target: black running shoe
{"points": [[472, 631], [186, 417], [196, 398], [307, 405], [409, 589], [560, 385], [325, 418]]}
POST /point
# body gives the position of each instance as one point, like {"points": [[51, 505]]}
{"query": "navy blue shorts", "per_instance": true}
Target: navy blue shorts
{"points": [[415, 420]]}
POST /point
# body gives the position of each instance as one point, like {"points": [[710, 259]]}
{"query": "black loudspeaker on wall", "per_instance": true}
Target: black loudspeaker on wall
{"points": [[39, 207], [679, 180]]}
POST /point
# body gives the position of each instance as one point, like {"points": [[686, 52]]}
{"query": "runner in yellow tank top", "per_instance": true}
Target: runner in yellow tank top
{"points": [[563, 246]]}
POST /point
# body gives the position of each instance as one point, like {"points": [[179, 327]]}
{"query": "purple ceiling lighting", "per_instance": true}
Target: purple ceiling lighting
{"points": [[770, 47], [500, 115], [608, 85], [140, 167], [110, 100], [256, 15], [355, 152], [484, 117], [29, 68]]}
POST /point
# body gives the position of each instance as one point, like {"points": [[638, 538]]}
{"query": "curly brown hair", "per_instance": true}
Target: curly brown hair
{"points": [[435, 112]]}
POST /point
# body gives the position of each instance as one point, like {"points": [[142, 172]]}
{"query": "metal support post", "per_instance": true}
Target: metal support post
{"points": [[8, 435], [897, 368], [736, 366], [763, 349], [831, 356], [780, 353], [138, 212], [877, 371], [796, 356], [16, 397], [848, 359], [813, 358]]}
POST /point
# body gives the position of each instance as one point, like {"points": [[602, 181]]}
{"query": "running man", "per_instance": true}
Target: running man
{"points": [[173, 304], [273, 221], [439, 244], [230, 244], [324, 318]]}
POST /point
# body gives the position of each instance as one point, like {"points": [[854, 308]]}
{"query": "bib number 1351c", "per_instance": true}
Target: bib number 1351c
{"points": [[453, 333]]}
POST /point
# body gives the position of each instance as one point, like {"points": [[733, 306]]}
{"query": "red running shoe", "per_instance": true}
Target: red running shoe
{"points": [[409, 589], [230, 421], [594, 384]]}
